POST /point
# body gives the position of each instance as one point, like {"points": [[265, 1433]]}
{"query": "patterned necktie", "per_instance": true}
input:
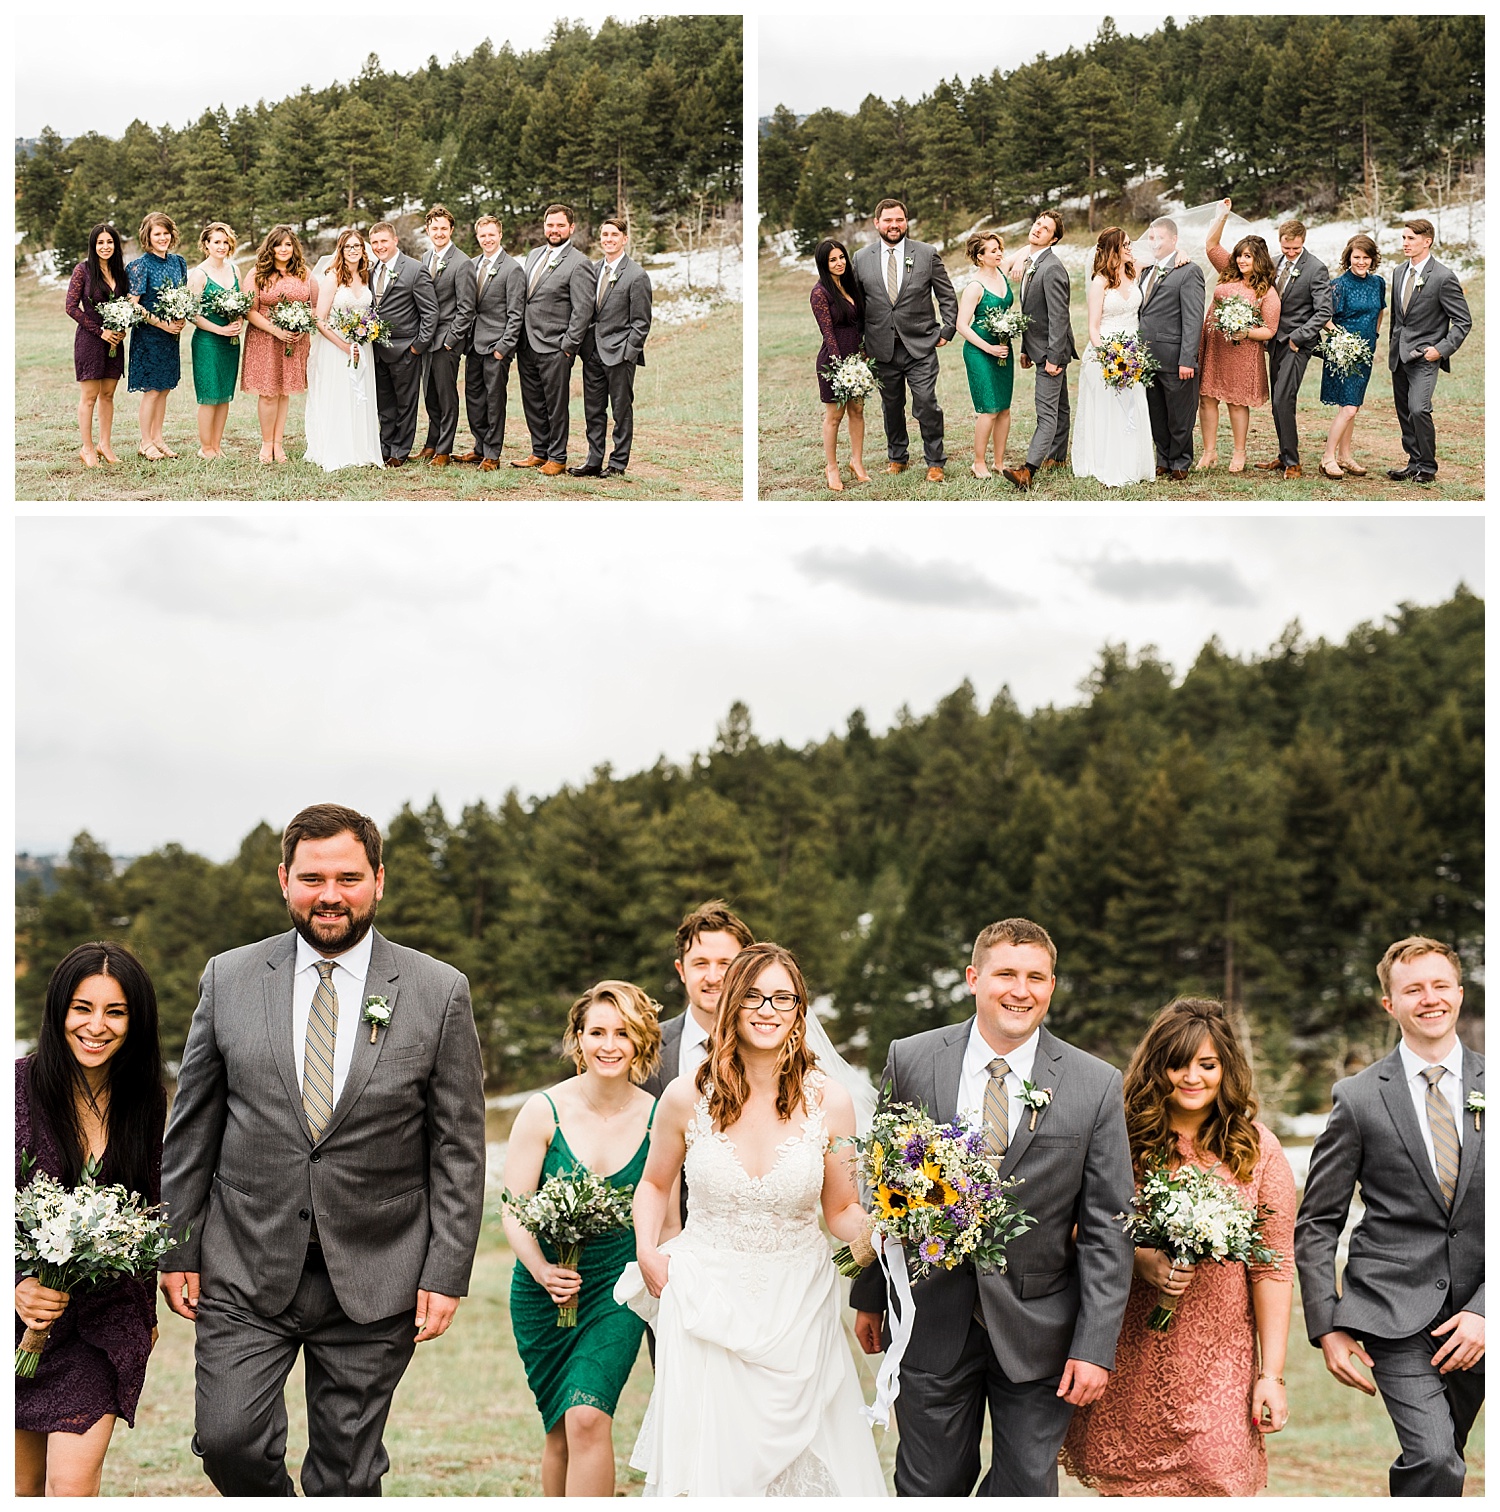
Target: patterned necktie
{"points": [[380, 281], [603, 285], [1444, 1133], [1286, 273], [892, 287], [486, 268], [1026, 277], [1407, 287], [996, 1111], [317, 1053], [536, 272]]}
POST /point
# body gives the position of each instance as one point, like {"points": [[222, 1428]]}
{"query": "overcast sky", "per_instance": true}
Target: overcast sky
{"points": [[182, 679], [808, 62]]}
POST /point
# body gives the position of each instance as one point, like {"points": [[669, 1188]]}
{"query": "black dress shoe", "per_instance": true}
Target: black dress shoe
{"points": [[614, 472], [1400, 474], [1424, 477], [588, 470]]}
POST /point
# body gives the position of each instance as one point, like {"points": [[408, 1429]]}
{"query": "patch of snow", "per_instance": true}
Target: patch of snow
{"points": [[690, 286], [46, 267]]}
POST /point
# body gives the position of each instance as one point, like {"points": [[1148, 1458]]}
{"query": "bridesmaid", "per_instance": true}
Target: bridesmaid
{"points": [[1186, 1412], [281, 272], [155, 355], [216, 352], [1235, 371], [93, 1087], [991, 373], [1358, 306], [98, 357], [838, 305], [576, 1374]]}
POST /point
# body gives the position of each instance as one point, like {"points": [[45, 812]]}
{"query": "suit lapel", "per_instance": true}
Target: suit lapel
{"points": [[1473, 1144], [1398, 1104], [947, 1072], [380, 980], [1046, 1071], [277, 986]]}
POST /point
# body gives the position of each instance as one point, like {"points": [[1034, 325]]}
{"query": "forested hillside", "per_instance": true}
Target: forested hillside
{"points": [[1258, 828]]}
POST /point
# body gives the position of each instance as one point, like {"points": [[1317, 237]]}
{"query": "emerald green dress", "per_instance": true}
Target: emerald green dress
{"points": [[990, 379], [216, 359], [588, 1365]]}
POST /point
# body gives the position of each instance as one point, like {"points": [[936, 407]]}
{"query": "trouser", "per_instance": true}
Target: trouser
{"points": [[352, 1369], [486, 380], [398, 396], [442, 399], [900, 371], [544, 400], [1049, 442], [1287, 368], [608, 389], [1173, 403], [941, 1420], [1431, 1413], [1412, 386]]}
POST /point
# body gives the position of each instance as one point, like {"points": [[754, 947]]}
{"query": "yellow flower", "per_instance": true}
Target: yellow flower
{"points": [[877, 1161], [889, 1202]]}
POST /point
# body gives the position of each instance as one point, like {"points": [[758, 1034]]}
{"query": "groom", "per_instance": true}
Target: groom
{"points": [[1047, 343], [405, 299], [329, 1163], [1172, 300], [1038, 1339]]}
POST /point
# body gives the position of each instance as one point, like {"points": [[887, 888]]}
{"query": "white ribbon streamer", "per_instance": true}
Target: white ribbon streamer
{"points": [[892, 1260], [1126, 409]]}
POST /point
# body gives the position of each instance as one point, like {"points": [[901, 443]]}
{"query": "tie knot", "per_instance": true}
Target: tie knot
{"points": [[998, 1068], [325, 970], [1433, 1074]]}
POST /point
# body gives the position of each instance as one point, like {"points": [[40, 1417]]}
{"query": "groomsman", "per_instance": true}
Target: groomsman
{"points": [[559, 305], [1306, 307], [1429, 321], [1172, 300], [491, 305], [405, 298], [901, 280], [1409, 1132], [444, 265], [1048, 344], [613, 348]]}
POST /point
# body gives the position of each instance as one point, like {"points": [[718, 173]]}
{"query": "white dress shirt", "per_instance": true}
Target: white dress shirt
{"points": [[608, 271], [692, 1049], [388, 264], [1451, 1087], [1414, 270], [349, 973], [885, 254], [975, 1077]]}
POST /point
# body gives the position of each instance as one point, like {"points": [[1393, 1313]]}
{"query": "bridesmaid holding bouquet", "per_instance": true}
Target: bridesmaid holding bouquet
{"points": [[987, 361], [98, 356], [155, 353], [838, 306], [215, 347], [276, 359]]}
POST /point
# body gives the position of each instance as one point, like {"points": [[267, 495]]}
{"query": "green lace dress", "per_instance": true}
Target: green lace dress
{"points": [[585, 1366], [216, 359], [990, 379]]}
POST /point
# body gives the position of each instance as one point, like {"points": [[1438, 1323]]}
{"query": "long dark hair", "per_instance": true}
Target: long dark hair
{"points": [[97, 288], [137, 1097], [1262, 270], [821, 253]]}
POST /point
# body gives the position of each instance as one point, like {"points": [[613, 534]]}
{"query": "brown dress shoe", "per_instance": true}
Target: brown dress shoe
{"points": [[1050, 463], [1020, 476], [552, 469], [1177, 475], [934, 474], [1269, 466], [439, 459], [470, 456], [489, 465], [426, 452], [395, 461], [896, 467], [531, 461], [1292, 472]]}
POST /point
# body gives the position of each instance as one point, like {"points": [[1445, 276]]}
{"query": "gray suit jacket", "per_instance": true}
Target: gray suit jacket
{"points": [[911, 317], [1172, 319], [559, 309], [396, 1180], [623, 321], [409, 304], [1056, 1300], [1410, 1258], [666, 1067], [494, 324], [1306, 303], [1438, 315], [1049, 337], [445, 285]]}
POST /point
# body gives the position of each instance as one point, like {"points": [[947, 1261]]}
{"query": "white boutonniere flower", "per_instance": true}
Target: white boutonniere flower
{"points": [[1035, 1098], [438, 267], [1475, 1105], [1421, 279], [911, 262], [377, 1014]]}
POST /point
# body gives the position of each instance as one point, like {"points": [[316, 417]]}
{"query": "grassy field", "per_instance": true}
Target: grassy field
{"points": [[791, 444], [688, 424], [464, 1424]]}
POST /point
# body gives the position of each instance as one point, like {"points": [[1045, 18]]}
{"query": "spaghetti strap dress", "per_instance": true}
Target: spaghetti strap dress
{"points": [[216, 359], [588, 1365], [991, 379]]}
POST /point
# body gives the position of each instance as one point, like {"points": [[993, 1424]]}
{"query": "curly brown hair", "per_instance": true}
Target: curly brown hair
{"points": [[1228, 1132], [341, 273], [1113, 257], [979, 241], [265, 259], [1360, 243], [641, 1016], [1262, 270], [722, 1075]]}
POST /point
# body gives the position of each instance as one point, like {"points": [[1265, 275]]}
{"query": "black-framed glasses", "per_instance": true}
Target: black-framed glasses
{"points": [[782, 1002]]}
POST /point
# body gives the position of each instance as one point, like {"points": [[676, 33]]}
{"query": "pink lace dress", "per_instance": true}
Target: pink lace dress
{"points": [[1175, 1417]]}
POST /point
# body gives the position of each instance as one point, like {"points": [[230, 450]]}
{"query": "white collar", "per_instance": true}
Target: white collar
{"points": [[693, 1033], [980, 1053], [611, 266], [1037, 256], [1292, 262], [887, 250], [355, 960], [389, 262], [1417, 267], [1413, 1064]]}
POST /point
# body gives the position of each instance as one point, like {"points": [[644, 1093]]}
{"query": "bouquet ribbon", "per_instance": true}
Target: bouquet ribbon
{"points": [[1125, 409], [892, 1259]]}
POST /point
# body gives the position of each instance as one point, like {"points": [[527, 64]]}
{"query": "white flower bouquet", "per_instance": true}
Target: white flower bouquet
{"points": [[1004, 325], [119, 314], [568, 1209], [296, 316], [175, 302], [1192, 1216], [852, 377], [1344, 352], [1234, 316], [68, 1239], [228, 305]]}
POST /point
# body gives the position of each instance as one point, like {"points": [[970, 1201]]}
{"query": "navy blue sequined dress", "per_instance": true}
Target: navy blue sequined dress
{"points": [[155, 357], [1357, 303]]}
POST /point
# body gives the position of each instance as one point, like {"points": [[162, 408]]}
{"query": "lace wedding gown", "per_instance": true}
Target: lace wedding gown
{"points": [[343, 426], [1112, 439], [755, 1391]]}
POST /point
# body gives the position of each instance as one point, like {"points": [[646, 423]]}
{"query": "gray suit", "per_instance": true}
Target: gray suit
{"points": [[666, 1071], [1438, 316], [1172, 326], [393, 1189], [559, 307], [488, 328], [1413, 1262], [1306, 307], [409, 304], [442, 358], [1045, 294], [903, 337], [613, 347], [1058, 1298]]}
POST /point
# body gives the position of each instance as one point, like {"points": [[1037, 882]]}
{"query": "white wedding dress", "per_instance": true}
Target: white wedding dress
{"points": [[343, 425], [1112, 437], [756, 1393]]}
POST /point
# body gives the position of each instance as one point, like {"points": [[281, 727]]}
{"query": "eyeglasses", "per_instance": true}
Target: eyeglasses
{"points": [[782, 1002]]}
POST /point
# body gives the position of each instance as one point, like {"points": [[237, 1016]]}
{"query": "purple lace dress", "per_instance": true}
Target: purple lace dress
{"points": [[95, 1359]]}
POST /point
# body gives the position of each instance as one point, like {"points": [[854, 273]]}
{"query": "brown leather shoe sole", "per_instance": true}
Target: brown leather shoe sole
{"points": [[469, 456], [1019, 476], [532, 461], [1269, 466]]}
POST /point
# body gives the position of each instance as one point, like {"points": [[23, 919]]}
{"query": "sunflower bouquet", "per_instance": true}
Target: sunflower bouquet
{"points": [[1124, 360], [935, 1193]]}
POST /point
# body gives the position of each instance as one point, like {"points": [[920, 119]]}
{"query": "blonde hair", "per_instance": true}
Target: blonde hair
{"points": [[1410, 949], [641, 1017], [209, 230]]}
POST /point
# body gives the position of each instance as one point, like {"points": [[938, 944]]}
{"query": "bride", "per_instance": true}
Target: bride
{"points": [[756, 1393], [1112, 440], [343, 426]]}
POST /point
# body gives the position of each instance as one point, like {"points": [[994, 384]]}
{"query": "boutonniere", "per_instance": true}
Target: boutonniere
{"points": [[377, 1015], [911, 262], [1421, 279], [1035, 1098], [438, 266], [1296, 272], [1475, 1105]]}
